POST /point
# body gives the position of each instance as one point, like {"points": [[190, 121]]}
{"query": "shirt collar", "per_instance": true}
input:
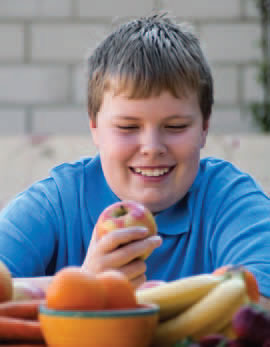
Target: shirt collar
{"points": [[196, 183], [175, 220]]}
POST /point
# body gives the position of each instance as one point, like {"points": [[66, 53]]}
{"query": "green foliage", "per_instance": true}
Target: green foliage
{"points": [[187, 342], [261, 110], [261, 114]]}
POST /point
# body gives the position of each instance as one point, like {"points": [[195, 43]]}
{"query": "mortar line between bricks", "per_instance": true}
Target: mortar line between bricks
{"points": [[107, 21], [242, 8], [160, 5], [27, 42], [241, 93], [71, 82], [28, 125], [56, 20], [74, 9]]}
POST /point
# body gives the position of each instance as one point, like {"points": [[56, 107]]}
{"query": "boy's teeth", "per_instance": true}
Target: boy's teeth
{"points": [[155, 172]]}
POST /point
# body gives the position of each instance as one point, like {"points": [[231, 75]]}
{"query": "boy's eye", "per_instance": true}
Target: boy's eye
{"points": [[127, 127], [176, 127]]}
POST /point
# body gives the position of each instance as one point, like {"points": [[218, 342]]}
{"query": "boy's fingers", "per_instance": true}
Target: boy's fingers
{"points": [[138, 281], [116, 238], [136, 249], [134, 269], [120, 249], [94, 236]]}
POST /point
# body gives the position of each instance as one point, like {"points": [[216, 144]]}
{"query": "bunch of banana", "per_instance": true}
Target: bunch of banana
{"points": [[176, 296], [195, 306]]}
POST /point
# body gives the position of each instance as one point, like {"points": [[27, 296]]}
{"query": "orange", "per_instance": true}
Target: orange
{"points": [[250, 279], [72, 289], [6, 283], [119, 291]]}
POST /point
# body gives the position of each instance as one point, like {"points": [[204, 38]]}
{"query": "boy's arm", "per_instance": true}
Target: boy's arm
{"points": [[28, 230]]}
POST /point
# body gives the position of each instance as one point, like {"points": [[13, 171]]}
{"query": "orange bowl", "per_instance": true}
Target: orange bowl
{"points": [[121, 328]]}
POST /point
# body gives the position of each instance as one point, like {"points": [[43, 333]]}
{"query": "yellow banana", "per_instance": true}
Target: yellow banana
{"points": [[228, 331], [219, 324], [208, 310], [176, 296]]}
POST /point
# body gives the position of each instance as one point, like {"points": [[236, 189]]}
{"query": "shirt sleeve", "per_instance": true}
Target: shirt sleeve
{"points": [[28, 230], [242, 229]]}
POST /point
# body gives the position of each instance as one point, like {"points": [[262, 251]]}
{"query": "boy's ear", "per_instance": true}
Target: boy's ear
{"points": [[204, 132], [93, 130], [92, 123]]}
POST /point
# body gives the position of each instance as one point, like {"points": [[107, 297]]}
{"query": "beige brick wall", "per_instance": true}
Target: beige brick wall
{"points": [[58, 120], [32, 84], [64, 42], [43, 45], [33, 8], [231, 42], [116, 8], [203, 10], [12, 36]]}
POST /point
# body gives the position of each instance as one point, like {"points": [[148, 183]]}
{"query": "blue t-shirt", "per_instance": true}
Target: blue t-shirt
{"points": [[223, 219]]}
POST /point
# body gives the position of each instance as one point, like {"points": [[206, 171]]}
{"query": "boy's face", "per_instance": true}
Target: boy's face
{"points": [[150, 148]]}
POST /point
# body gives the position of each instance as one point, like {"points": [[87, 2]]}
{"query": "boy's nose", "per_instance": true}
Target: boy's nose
{"points": [[152, 144]]}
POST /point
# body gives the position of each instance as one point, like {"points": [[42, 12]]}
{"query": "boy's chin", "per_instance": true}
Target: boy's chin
{"points": [[152, 199], [156, 204]]}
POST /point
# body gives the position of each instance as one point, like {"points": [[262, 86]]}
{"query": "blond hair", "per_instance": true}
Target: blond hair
{"points": [[147, 56]]}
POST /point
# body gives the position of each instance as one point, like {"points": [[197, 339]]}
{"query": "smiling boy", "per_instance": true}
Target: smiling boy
{"points": [[150, 97], [150, 148]]}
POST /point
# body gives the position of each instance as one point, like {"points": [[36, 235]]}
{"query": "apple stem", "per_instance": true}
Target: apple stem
{"points": [[121, 211]]}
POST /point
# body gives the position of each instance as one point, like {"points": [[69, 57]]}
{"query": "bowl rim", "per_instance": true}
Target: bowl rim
{"points": [[142, 310]]}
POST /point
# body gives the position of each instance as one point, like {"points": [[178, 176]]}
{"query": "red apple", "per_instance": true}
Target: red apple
{"points": [[5, 283], [124, 214]]}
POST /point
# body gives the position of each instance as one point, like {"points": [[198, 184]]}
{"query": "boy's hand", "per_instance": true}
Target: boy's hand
{"points": [[121, 250]]}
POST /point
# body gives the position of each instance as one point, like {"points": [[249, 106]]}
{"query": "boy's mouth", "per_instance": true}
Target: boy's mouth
{"points": [[152, 172]]}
